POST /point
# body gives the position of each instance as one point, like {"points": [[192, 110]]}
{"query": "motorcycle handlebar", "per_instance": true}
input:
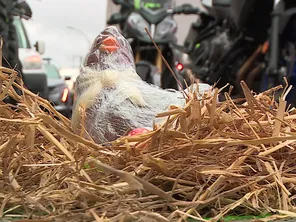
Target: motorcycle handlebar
{"points": [[182, 9], [186, 9], [124, 3]]}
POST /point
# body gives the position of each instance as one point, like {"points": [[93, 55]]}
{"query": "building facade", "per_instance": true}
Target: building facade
{"points": [[184, 21]]}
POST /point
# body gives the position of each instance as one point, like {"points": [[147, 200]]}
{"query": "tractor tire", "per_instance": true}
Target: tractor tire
{"points": [[13, 48], [8, 32], [4, 29], [13, 40]]}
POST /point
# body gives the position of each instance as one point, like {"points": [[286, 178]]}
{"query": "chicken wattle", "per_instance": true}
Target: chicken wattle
{"points": [[111, 98]]}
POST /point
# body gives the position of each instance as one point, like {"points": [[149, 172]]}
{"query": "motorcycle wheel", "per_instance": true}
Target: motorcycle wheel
{"points": [[229, 70], [167, 79]]}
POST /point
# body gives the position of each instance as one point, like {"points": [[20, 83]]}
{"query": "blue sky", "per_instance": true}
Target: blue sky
{"points": [[51, 19]]}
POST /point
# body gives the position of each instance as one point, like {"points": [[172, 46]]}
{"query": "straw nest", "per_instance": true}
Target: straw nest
{"points": [[208, 160]]}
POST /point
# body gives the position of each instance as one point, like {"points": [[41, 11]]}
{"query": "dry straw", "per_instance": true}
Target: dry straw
{"points": [[208, 160]]}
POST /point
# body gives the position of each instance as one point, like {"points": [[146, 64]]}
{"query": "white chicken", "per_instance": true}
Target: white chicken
{"points": [[114, 97]]}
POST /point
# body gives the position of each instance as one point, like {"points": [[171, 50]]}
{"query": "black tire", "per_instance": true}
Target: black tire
{"points": [[13, 48], [13, 40], [8, 33], [4, 30], [10, 47]]}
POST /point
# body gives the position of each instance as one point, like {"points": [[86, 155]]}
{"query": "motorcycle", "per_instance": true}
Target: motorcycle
{"points": [[157, 17], [281, 56], [228, 45]]}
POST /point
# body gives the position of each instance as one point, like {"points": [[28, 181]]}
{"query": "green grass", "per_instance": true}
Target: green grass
{"points": [[235, 218]]}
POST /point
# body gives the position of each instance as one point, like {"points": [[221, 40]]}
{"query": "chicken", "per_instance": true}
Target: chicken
{"points": [[114, 98]]}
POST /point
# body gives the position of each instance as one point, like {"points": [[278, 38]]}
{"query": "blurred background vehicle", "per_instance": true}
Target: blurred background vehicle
{"points": [[247, 40], [33, 71], [59, 93], [281, 57], [157, 17], [226, 43], [184, 22]]}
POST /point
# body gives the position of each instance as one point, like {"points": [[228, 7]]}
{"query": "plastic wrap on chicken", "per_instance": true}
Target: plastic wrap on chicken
{"points": [[111, 99]]}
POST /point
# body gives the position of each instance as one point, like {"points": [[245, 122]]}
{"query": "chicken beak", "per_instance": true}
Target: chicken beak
{"points": [[109, 44]]}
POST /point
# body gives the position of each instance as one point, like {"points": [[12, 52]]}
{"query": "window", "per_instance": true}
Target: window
{"points": [[23, 40], [52, 71]]}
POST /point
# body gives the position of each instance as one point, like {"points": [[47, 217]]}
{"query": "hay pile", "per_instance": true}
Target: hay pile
{"points": [[209, 159]]}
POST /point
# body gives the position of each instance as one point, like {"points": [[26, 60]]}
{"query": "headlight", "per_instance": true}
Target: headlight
{"points": [[166, 27], [136, 21], [32, 62]]}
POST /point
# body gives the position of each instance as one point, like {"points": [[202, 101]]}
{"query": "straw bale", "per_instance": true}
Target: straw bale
{"points": [[208, 160]]}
